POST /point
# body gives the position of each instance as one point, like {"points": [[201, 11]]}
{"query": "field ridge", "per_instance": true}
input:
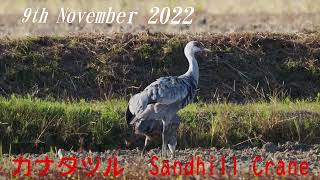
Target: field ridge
{"points": [[243, 67]]}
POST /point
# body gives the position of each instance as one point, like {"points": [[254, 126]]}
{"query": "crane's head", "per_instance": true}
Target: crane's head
{"points": [[195, 47]]}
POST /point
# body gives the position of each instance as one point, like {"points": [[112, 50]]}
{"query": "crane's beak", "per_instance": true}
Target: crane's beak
{"points": [[206, 50]]}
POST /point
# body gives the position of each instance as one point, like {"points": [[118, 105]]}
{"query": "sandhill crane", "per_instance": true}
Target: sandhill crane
{"points": [[162, 99]]}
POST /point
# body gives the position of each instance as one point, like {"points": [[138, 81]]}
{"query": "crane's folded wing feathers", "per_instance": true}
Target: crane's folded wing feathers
{"points": [[165, 90]]}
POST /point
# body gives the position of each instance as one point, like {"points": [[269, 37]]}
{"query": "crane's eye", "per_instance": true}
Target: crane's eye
{"points": [[197, 44]]}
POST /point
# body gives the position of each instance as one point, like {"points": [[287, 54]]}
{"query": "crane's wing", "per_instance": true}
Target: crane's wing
{"points": [[165, 90]]}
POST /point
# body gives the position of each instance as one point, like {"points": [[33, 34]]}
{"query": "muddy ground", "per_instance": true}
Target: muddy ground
{"points": [[136, 166]]}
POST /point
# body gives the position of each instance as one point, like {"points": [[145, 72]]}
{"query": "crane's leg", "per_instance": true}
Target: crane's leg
{"points": [[172, 145], [145, 145], [164, 144], [172, 142], [172, 135]]}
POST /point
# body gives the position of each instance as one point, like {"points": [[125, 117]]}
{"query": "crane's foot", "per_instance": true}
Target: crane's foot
{"points": [[172, 156], [162, 150], [172, 149], [144, 147]]}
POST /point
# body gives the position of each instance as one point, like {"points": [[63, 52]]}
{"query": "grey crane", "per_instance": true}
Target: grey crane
{"points": [[162, 99]]}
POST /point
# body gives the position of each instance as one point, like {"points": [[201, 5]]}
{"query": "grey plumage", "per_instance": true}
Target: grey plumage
{"points": [[174, 92], [161, 100]]}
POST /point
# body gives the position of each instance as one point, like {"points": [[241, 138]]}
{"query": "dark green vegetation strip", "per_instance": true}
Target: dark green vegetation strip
{"points": [[241, 68], [33, 121]]}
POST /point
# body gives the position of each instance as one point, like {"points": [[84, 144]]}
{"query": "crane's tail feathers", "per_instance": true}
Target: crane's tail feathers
{"points": [[129, 116]]}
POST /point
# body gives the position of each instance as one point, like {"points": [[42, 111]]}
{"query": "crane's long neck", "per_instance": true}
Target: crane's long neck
{"points": [[193, 70]]}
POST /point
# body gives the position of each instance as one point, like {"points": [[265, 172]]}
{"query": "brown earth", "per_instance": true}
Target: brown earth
{"points": [[242, 66], [137, 167], [10, 25]]}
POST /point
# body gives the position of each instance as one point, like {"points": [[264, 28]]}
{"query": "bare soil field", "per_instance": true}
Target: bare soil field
{"points": [[215, 16], [11, 26], [138, 167]]}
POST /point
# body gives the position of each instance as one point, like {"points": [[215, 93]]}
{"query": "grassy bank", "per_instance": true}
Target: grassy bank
{"points": [[102, 125], [242, 67]]}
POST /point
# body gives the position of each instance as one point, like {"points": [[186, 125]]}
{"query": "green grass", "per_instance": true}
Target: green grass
{"points": [[103, 125]]}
